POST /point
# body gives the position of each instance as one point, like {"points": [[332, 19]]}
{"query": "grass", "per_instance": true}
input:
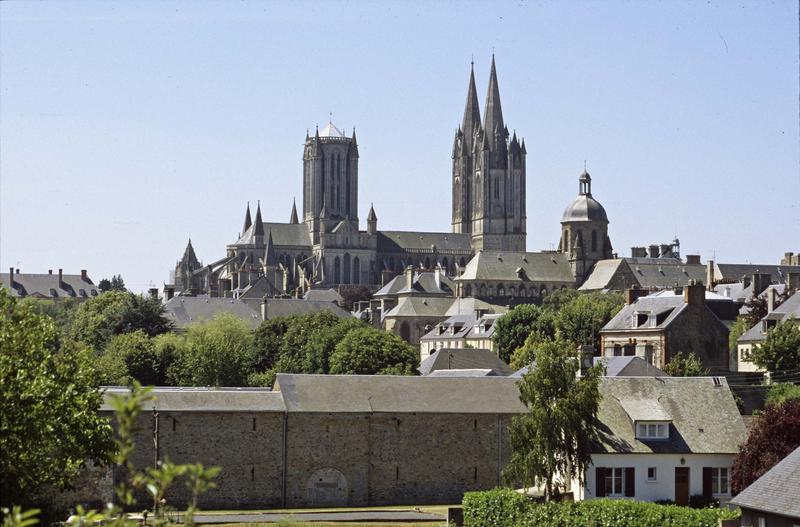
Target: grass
{"points": [[289, 523], [434, 509]]}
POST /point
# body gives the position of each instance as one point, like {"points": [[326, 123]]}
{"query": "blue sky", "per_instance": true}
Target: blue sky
{"points": [[126, 127]]}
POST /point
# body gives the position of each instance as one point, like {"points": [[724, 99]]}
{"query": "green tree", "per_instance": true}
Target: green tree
{"points": [[554, 437], [526, 354], [293, 352], [115, 284], [218, 352], [581, 319], [513, 328], [98, 319], [267, 340], [739, 328], [62, 311], [131, 356], [781, 392], [49, 397], [558, 299], [368, 351], [781, 349], [685, 366], [322, 342]]}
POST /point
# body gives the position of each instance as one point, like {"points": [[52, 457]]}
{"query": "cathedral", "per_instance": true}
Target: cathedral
{"points": [[325, 246]]}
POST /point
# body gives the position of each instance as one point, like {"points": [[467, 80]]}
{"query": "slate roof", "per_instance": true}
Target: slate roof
{"points": [[201, 399], [776, 491], [584, 208], [629, 367], [283, 307], [704, 417], [471, 304], [417, 306], [472, 372], [463, 359], [518, 267], [463, 326], [400, 241], [646, 273], [283, 235], [602, 274], [423, 282], [185, 310], [667, 309], [789, 309], [734, 272], [323, 295], [45, 285], [389, 393]]}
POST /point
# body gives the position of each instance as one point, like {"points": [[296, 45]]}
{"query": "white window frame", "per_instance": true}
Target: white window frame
{"points": [[617, 475], [655, 474], [717, 479], [652, 430]]}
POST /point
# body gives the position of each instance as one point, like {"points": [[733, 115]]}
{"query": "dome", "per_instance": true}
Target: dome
{"points": [[585, 208]]}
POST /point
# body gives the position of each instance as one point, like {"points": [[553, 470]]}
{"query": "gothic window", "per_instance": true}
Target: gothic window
{"points": [[337, 271], [501, 290], [427, 263], [522, 291], [346, 274], [496, 188], [594, 240], [356, 270], [444, 265], [405, 332], [483, 290], [468, 290], [490, 290]]}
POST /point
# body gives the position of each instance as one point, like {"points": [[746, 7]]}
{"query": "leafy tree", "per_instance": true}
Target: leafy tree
{"points": [[49, 397], [293, 358], [685, 366], [98, 319], [351, 295], [781, 392], [62, 311], [368, 351], [581, 319], [513, 328], [215, 353], [558, 299], [757, 306], [781, 349], [104, 285], [739, 328], [267, 340], [526, 354], [554, 437], [322, 342], [131, 356], [115, 284], [775, 434]]}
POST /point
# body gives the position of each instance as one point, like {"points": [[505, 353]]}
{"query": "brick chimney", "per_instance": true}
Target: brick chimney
{"points": [[61, 279], [633, 294], [710, 274], [694, 293], [638, 252], [84, 275], [771, 299], [169, 292], [11, 278], [653, 251], [760, 282], [692, 259]]}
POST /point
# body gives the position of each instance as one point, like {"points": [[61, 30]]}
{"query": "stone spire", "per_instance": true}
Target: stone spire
{"points": [[293, 218], [270, 260], [472, 112], [372, 220], [259, 228], [247, 221], [189, 257], [493, 119]]}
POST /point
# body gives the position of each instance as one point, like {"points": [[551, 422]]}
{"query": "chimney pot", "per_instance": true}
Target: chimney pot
{"points": [[84, 275], [793, 282], [771, 299], [49, 271], [760, 282], [653, 250], [10, 277], [693, 259], [633, 294], [694, 293]]}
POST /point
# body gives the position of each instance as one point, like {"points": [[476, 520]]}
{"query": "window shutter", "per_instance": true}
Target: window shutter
{"points": [[600, 481], [630, 482], [706, 482]]}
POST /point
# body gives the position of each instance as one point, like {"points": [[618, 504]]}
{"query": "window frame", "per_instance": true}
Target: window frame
{"points": [[616, 475], [652, 430], [717, 479], [655, 474]]}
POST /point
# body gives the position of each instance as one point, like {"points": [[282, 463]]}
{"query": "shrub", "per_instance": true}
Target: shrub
{"points": [[507, 508]]}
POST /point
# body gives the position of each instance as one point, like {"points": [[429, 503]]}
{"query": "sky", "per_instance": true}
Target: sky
{"points": [[128, 127]]}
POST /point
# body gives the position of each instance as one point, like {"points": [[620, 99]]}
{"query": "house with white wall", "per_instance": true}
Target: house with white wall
{"points": [[663, 438]]}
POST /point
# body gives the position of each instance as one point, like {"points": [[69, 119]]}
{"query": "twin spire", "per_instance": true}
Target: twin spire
{"points": [[493, 120]]}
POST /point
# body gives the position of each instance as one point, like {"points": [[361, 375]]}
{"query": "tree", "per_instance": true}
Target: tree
{"points": [[582, 318], [129, 357], [739, 328], [62, 311], [300, 328], [781, 392], [685, 366], [98, 319], [558, 299], [267, 340], [49, 397], [322, 342], [513, 328], [775, 434], [781, 349], [757, 306], [554, 437], [115, 284], [215, 353], [351, 295], [368, 351]]}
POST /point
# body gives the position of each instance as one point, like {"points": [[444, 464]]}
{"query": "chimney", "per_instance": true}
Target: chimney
{"points": [[386, 277], [653, 251], [169, 292], [49, 271], [153, 291], [638, 252], [793, 282], [665, 250], [710, 273], [771, 298], [16, 271], [61, 278], [264, 308], [693, 259], [633, 294], [694, 293], [84, 275], [409, 277], [437, 274], [760, 282], [11, 278]]}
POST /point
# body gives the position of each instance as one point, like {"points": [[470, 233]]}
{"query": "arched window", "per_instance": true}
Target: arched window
{"points": [[512, 291], [427, 263], [594, 240], [467, 290], [337, 271], [346, 274], [444, 265], [482, 290], [405, 332], [490, 290], [356, 270], [522, 291], [501, 290], [543, 290]]}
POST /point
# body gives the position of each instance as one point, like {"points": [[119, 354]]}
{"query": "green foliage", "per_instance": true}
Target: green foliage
{"points": [[267, 340], [130, 356], [781, 392], [62, 311], [500, 508], [98, 319], [367, 351], [351, 295], [16, 517], [294, 347], [781, 349], [215, 353], [262, 379], [554, 436], [49, 399], [115, 284], [526, 355], [513, 328], [580, 320], [685, 366], [558, 299], [739, 328]]}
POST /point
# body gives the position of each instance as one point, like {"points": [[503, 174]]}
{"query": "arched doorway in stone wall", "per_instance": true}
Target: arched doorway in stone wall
{"points": [[327, 487]]}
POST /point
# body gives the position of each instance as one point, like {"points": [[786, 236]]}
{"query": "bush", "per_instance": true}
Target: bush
{"points": [[507, 508], [781, 392]]}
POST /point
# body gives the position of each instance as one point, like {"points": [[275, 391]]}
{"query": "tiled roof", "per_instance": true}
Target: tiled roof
{"points": [[666, 309], [632, 366], [47, 285], [185, 310], [776, 491], [415, 306], [463, 359], [788, 309], [734, 272], [400, 241], [518, 267], [283, 235], [197, 399], [283, 307]]}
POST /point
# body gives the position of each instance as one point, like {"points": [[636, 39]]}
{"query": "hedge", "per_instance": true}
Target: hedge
{"points": [[507, 508]]}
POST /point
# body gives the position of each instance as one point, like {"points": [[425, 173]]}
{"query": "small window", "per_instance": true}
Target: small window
{"points": [[254, 424], [762, 522], [651, 474], [617, 350], [614, 481], [652, 431], [719, 480]]}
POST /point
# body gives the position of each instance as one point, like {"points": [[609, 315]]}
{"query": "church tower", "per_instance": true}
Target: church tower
{"points": [[330, 180], [489, 175]]}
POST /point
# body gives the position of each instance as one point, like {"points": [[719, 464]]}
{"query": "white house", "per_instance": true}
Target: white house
{"points": [[664, 438]]}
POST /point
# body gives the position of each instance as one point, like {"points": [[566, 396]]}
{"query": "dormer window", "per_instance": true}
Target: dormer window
{"points": [[640, 319], [649, 431]]}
